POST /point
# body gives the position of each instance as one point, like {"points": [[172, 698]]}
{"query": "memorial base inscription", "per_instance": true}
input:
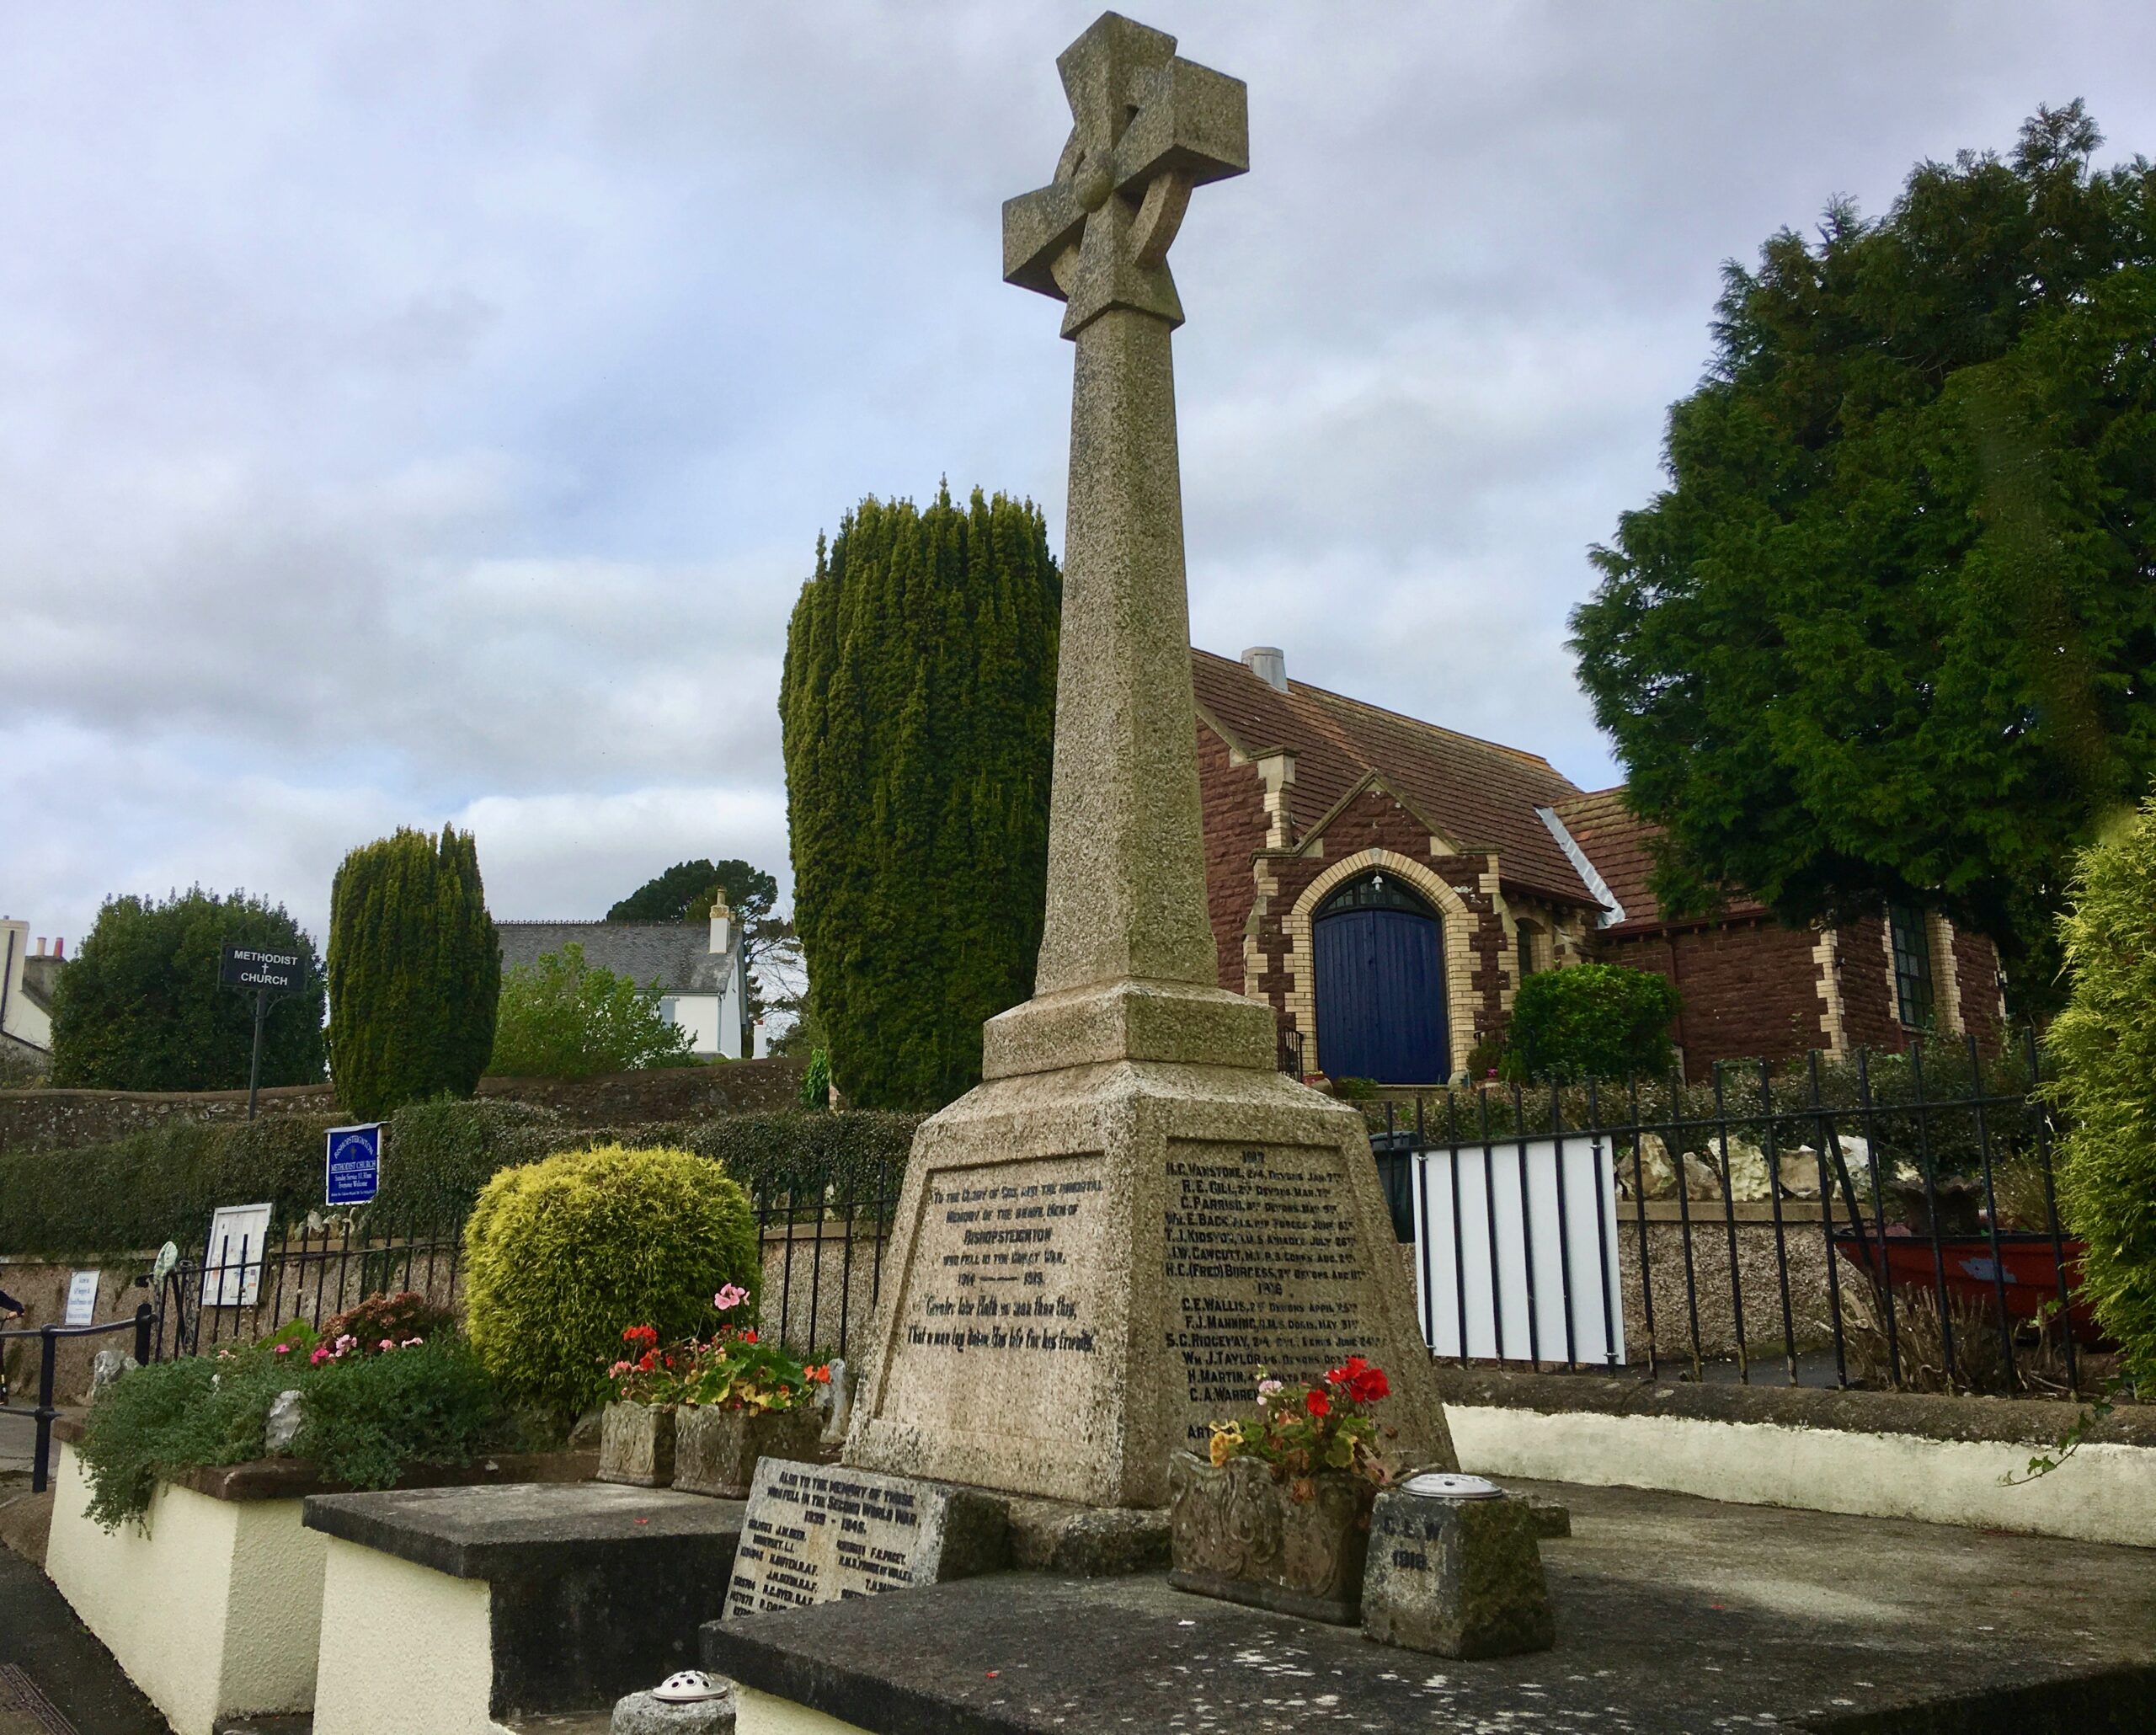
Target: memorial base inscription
{"points": [[1093, 1263]]}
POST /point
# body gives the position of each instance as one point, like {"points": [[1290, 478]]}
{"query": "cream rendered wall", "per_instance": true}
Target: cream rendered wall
{"points": [[761, 1714], [234, 1618], [410, 1650], [2103, 1493]]}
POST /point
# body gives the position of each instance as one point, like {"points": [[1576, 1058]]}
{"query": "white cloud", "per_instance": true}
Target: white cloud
{"points": [[420, 414]]}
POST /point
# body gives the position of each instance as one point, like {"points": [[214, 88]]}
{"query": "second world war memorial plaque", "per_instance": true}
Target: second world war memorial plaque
{"points": [[1265, 1272], [816, 1533]]}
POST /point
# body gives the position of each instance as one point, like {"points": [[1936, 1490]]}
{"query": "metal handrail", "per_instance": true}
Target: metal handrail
{"points": [[48, 1338]]}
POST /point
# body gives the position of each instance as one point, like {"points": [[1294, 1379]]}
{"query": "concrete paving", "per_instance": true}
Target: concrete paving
{"points": [[1675, 1615], [61, 1661]]}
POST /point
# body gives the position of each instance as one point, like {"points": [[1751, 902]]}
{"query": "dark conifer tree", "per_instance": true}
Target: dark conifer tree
{"points": [[415, 972], [919, 713]]}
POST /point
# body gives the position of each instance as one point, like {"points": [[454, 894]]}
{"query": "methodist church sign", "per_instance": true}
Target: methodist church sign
{"points": [[253, 967]]}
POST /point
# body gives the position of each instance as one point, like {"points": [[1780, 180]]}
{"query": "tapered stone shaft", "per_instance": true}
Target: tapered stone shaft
{"points": [[1126, 876]]}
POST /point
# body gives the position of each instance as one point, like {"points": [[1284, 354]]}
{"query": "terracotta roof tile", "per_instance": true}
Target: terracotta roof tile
{"points": [[1481, 794], [1620, 845]]}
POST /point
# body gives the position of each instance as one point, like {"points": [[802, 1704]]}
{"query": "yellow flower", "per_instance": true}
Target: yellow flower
{"points": [[1227, 1437]]}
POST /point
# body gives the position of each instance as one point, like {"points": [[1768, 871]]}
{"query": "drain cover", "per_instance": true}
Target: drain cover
{"points": [[18, 1692]]}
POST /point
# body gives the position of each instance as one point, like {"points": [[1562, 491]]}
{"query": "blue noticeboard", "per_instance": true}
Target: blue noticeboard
{"points": [[355, 1164]]}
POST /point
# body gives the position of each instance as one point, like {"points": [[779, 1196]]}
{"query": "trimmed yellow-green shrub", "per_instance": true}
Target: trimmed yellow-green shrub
{"points": [[2105, 1044], [562, 1255]]}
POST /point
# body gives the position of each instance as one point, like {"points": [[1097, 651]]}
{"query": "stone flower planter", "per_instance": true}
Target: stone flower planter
{"points": [[1238, 1534], [636, 1444], [715, 1451]]}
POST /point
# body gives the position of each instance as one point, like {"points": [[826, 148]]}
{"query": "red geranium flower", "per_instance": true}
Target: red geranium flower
{"points": [[1317, 1403]]}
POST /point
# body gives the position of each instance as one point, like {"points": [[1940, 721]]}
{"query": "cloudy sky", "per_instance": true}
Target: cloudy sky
{"points": [[411, 413]]}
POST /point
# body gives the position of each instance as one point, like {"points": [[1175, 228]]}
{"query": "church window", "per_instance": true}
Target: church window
{"points": [[1912, 965]]}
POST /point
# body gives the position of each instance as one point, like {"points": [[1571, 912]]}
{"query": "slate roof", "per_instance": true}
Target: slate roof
{"points": [[1620, 845], [676, 955], [1481, 794]]}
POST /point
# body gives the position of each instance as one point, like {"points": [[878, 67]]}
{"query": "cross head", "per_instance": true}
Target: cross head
{"points": [[1147, 127]]}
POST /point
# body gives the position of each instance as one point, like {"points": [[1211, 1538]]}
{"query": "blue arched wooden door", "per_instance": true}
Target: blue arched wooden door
{"points": [[1381, 986]]}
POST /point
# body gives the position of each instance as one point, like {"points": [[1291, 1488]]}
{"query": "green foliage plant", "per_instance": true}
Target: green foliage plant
{"points": [[562, 1018], [414, 972], [140, 1007], [559, 1253], [1886, 635], [366, 1419], [918, 714], [369, 1419], [2104, 1044], [1600, 1021], [816, 1082], [684, 893]]}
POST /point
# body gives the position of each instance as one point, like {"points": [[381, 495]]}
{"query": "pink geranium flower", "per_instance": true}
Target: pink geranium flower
{"points": [[729, 1298]]}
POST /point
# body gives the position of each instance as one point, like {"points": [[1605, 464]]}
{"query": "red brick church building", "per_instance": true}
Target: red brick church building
{"points": [[1386, 884]]}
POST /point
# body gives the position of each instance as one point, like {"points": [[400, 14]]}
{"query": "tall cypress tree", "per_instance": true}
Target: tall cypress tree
{"points": [[415, 972], [918, 707]]}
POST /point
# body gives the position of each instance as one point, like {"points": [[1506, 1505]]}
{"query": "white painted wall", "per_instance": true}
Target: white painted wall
{"points": [[761, 1714], [414, 1648], [18, 1017], [2103, 1493], [699, 1014], [215, 1613]]}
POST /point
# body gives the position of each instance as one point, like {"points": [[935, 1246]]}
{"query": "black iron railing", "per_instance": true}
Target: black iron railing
{"points": [[1885, 1220], [823, 1237], [49, 1339]]}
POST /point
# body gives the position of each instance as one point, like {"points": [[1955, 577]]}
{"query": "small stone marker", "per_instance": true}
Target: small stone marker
{"points": [[817, 1533], [1453, 1568]]}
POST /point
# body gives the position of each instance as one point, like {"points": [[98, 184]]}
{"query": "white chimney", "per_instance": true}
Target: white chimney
{"points": [[41, 945], [1269, 665], [722, 927]]}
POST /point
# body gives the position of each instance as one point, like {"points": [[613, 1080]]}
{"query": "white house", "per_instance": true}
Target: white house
{"points": [[698, 972], [26, 979]]}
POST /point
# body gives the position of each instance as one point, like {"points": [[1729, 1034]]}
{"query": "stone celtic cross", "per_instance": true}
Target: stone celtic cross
{"points": [[1126, 895], [1148, 128]]}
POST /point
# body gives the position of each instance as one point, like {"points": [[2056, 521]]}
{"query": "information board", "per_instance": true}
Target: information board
{"points": [[82, 1299], [355, 1164]]}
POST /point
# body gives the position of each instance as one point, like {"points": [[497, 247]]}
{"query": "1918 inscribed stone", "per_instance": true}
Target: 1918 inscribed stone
{"points": [[1268, 1272], [1004, 1269], [817, 1534]]}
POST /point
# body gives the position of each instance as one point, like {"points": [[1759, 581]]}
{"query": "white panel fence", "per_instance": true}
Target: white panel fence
{"points": [[1516, 1251]]}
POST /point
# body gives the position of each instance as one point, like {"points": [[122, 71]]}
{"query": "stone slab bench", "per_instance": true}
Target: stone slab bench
{"points": [[463, 1610], [1674, 1615], [213, 1605]]}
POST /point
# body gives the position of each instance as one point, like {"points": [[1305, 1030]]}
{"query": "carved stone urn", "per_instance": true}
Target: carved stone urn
{"points": [[1239, 1534], [636, 1444], [715, 1451]]}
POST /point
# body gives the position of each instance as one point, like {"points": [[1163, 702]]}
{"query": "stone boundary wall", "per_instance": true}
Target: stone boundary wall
{"points": [[66, 1119]]}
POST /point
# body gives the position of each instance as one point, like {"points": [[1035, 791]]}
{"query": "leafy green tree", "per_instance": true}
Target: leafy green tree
{"points": [[140, 1007], [684, 891], [1591, 1021], [562, 1018], [2105, 1044], [918, 707], [1890, 631], [415, 972]]}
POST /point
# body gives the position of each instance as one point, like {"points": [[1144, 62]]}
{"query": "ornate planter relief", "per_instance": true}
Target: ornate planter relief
{"points": [[715, 1451], [636, 1445], [1239, 1534]]}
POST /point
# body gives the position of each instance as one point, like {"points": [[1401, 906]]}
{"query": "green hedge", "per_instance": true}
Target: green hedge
{"points": [[138, 1192]]}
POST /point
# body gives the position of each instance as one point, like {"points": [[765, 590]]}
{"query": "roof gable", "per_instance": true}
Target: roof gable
{"points": [[1478, 795]]}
